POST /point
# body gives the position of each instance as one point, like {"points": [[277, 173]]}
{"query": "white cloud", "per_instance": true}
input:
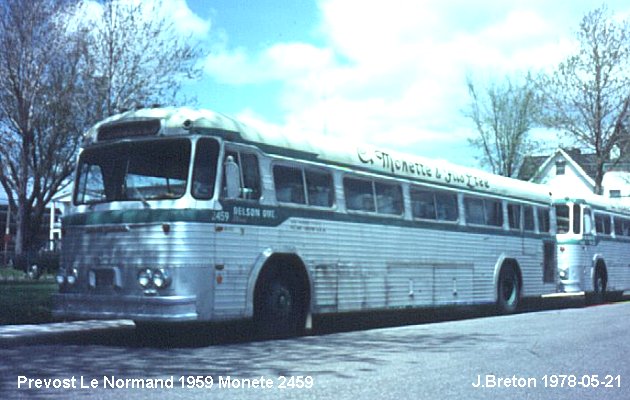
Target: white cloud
{"points": [[184, 20], [395, 72], [280, 62], [177, 12]]}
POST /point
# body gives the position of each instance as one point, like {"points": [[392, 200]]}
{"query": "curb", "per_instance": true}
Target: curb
{"points": [[13, 335]]}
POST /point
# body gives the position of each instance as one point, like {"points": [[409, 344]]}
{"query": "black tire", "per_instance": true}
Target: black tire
{"points": [[279, 310], [508, 290], [600, 282]]}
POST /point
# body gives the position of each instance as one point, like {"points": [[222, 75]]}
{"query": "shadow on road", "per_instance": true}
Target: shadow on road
{"points": [[196, 335]]}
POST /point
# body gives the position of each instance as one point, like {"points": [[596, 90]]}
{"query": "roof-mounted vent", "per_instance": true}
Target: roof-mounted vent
{"points": [[128, 128]]}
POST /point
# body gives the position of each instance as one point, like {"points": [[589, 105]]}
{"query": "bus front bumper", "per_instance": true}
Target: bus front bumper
{"points": [[570, 286], [138, 308]]}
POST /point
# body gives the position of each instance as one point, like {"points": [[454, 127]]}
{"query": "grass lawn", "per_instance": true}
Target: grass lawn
{"points": [[26, 302]]}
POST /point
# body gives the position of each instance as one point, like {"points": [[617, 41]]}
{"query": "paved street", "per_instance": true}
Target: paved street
{"points": [[435, 360]]}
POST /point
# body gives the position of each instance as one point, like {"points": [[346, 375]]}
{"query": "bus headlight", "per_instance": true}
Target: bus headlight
{"points": [[60, 278], [161, 278], [73, 276], [145, 277]]}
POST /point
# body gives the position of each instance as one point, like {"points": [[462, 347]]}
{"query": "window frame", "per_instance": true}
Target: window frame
{"points": [[374, 195], [239, 152], [435, 204], [469, 200], [304, 171]]}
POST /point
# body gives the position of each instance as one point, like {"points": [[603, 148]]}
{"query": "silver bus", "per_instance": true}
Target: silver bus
{"points": [[188, 215], [593, 239]]}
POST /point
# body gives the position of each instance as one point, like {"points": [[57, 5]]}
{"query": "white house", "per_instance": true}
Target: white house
{"points": [[571, 171]]}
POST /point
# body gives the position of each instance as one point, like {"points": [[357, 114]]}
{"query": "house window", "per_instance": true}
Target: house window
{"points": [[560, 167], [615, 193]]}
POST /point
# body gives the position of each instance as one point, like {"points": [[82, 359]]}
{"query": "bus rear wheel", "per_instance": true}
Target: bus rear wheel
{"points": [[508, 290], [279, 309]]}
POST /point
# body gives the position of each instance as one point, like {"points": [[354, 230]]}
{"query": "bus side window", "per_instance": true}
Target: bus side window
{"points": [[602, 223], [388, 199], [289, 184], [494, 212], [514, 216], [528, 218], [618, 226], [359, 194], [446, 206], [250, 175], [422, 204], [474, 211], [320, 188], [544, 225]]}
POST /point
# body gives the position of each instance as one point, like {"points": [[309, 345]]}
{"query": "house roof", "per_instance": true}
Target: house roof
{"points": [[534, 164]]}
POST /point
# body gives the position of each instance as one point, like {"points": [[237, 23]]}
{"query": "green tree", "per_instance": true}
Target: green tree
{"points": [[504, 114], [588, 95]]}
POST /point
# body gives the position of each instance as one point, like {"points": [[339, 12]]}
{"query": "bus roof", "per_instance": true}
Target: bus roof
{"points": [[186, 121], [597, 202]]}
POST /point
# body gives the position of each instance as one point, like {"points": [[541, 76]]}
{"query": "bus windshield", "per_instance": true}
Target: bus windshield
{"points": [[146, 170]]}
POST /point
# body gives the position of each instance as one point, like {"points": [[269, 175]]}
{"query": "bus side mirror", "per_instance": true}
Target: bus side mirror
{"points": [[232, 178]]}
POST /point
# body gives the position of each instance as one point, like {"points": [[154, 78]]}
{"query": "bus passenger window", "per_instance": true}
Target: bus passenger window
{"points": [[474, 211], [359, 194], [528, 218], [494, 212], [483, 211], [618, 226], [427, 204], [388, 199], [422, 204], [514, 216], [320, 188], [602, 224], [250, 175], [289, 184], [544, 224], [446, 206]]}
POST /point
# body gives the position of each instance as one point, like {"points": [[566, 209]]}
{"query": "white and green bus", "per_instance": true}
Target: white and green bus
{"points": [[187, 215], [593, 236]]}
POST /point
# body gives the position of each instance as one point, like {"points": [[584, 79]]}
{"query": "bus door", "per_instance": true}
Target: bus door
{"points": [[588, 243]]}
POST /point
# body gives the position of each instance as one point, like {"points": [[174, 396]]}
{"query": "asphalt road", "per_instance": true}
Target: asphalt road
{"points": [[575, 353]]}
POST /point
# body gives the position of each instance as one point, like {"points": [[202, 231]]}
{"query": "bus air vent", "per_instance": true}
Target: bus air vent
{"points": [[129, 128]]}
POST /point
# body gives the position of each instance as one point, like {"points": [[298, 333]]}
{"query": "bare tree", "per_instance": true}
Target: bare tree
{"points": [[39, 72], [588, 96], [138, 58], [504, 113], [58, 76]]}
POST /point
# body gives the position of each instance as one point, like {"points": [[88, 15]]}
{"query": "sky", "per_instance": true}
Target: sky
{"points": [[390, 73]]}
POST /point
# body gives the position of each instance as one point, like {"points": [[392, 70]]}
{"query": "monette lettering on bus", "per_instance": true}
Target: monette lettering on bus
{"points": [[415, 169]]}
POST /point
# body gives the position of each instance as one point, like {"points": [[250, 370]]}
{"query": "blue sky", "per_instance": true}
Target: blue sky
{"points": [[392, 73]]}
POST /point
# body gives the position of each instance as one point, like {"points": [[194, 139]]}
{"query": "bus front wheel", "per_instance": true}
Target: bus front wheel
{"points": [[599, 285], [279, 310]]}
